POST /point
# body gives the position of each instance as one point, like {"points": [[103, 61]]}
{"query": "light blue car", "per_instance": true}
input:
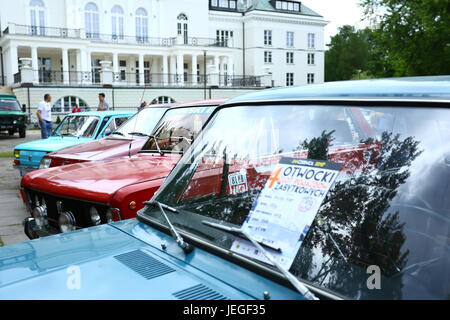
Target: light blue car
{"points": [[75, 129]]}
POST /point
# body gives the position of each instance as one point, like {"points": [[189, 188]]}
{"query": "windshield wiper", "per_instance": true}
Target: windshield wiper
{"points": [[119, 133], [292, 279], [157, 145], [68, 135], [140, 134], [187, 248]]}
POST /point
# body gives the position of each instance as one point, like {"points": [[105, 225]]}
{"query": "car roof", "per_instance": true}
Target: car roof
{"points": [[8, 96], [412, 88], [103, 113]]}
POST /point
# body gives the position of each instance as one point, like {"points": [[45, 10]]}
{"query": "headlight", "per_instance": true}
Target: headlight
{"points": [[40, 216], [67, 222], [95, 216], [17, 153], [45, 163], [15, 122], [113, 214]]}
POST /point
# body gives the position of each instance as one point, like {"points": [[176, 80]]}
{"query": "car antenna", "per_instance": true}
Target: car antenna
{"points": [[140, 103]]}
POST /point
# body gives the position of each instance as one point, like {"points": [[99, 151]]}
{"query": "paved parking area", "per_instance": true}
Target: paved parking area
{"points": [[12, 209]]}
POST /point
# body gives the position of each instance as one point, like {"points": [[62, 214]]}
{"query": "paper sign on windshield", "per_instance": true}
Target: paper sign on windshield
{"points": [[286, 207]]}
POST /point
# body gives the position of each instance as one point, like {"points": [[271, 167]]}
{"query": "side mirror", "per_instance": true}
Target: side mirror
{"points": [[24, 108]]}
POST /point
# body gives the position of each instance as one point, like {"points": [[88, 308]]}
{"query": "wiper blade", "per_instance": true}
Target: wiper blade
{"points": [[187, 248], [292, 279], [157, 145], [119, 133], [140, 134], [235, 231]]}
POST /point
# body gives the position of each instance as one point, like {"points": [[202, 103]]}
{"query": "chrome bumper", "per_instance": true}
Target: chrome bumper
{"points": [[33, 231], [24, 170]]}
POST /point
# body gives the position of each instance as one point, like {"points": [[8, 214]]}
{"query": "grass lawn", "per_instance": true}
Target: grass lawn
{"points": [[1, 242], [6, 154]]}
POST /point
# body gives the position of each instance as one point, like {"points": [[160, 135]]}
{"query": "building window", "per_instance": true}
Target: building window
{"points": [[182, 27], [287, 5], [267, 56], [66, 104], [225, 4], [311, 40], [141, 25], [37, 17], [311, 58], [222, 37], [289, 57], [289, 79], [165, 100], [289, 39], [310, 78], [91, 21], [267, 37], [117, 22]]}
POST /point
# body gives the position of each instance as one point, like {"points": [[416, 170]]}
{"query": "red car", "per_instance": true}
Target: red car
{"points": [[118, 144], [86, 194]]}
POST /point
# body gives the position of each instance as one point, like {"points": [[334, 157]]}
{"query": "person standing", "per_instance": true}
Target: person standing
{"points": [[102, 104], [44, 115]]}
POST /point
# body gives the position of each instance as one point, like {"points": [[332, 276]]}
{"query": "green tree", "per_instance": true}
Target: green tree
{"points": [[348, 54], [409, 38]]}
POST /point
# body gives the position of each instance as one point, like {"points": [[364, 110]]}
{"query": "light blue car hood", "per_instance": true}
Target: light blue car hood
{"points": [[124, 260], [51, 144]]}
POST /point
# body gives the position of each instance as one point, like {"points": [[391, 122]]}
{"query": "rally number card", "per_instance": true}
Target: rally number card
{"points": [[286, 207]]}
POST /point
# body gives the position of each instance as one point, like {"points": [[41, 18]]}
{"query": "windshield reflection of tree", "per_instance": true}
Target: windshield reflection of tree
{"points": [[355, 226]]}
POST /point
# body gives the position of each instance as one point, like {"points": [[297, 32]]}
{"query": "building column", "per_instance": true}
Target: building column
{"points": [[194, 69], [35, 64], [173, 71], [141, 70], [165, 70], [115, 62], [65, 65], [89, 66], [13, 61], [180, 69]]}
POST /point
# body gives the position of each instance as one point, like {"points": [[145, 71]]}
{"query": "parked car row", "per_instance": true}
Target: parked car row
{"points": [[195, 200]]}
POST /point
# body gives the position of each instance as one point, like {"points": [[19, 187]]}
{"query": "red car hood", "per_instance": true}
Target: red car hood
{"points": [[98, 181], [103, 149]]}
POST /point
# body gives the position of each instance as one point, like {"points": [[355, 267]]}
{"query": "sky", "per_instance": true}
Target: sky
{"points": [[338, 13]]}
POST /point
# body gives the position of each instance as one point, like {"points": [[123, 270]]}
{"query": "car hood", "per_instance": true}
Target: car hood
{"points": [[98, 181], [51, 144], [107, 148], [123, 261]]}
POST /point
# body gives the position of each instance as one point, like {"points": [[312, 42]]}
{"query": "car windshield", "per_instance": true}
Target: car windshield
{"points": [[77, 126], [142, 123], [177, 129], [9, 105], [388, 209]]}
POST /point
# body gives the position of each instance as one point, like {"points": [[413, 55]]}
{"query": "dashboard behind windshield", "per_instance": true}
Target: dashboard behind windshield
{"points": [[388, 208]]}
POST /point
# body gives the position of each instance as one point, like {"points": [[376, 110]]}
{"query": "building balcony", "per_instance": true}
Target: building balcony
{"points": [[65, 33], [121, 79]]}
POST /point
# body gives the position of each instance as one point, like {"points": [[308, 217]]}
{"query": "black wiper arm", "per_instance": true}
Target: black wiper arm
{"points": [[235, 231], [119, 133], [157, 145], [292, 279], [140, 134], [187, 248]]}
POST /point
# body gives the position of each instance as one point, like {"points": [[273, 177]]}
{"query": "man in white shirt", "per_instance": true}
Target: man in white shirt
{"points": [[44, 115]]}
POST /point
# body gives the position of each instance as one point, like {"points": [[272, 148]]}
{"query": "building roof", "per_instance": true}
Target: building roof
{"points": [[267, 5], [433, 88]]}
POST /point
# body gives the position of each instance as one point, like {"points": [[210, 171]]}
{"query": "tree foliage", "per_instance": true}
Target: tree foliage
{"points": [[407, 38]]}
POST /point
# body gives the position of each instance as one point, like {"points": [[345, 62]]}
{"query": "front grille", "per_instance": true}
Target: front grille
{"points": [[80, 209]]}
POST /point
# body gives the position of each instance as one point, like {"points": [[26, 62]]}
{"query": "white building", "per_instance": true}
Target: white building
{"points": [[176, 50]]}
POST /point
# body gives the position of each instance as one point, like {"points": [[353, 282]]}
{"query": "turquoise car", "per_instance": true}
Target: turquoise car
{"points": [[74, 129], [330, 191]]}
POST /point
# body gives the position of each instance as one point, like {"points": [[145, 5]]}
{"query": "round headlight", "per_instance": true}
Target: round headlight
{"points": [[67, 222], [95, 216], [40, 216]]}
